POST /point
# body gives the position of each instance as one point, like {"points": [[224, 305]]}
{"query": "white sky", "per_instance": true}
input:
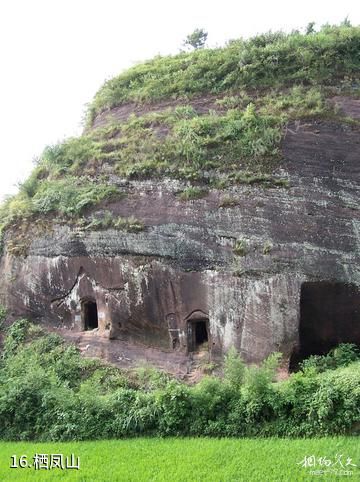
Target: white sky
{"points": [[55, 54]]}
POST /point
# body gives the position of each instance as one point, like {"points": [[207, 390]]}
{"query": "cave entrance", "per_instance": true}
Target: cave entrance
{"points": [[198, 335], [89, 314], [329, 315]]}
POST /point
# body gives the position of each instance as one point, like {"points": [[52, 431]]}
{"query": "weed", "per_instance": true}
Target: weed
{"points": [[267, 247], [192, 192], [3, 315], [240, 248], [131, 224], [228, 202], [108, 220]]}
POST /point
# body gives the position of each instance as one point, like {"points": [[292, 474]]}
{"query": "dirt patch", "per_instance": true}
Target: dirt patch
{"points": [[126, 355], [202, 105]]}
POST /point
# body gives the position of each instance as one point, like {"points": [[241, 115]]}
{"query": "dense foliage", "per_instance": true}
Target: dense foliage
{"points": [[267, 60], [47, 391]]}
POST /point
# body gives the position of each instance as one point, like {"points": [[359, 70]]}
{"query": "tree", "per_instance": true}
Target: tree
{"points": [[310, 28], [196, 39]]}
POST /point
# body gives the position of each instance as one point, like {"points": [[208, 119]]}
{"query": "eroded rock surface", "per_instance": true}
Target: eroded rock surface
{"points": [[178, 286]]}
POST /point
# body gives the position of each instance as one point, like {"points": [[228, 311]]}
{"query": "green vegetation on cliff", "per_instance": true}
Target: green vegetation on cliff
{"points": [[268, 60], [66, 397], [249, 91]]}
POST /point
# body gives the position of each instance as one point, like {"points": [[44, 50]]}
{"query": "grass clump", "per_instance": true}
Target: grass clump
{"points": [[250, 178], [241, 247], [108, 220], [70, 196], [55, 200], [296, 102], [132, 225], [267, 247], [228, 202], [70, 155], [196, 144], [192, 192], [66, 197]]}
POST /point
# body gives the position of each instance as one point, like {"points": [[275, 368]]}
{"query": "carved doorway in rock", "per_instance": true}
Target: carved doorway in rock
{"points": [[329, 315], [198, 335], [89, 314]]}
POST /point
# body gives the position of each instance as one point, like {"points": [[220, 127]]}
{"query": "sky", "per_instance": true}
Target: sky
{"points": [[56, 54]]}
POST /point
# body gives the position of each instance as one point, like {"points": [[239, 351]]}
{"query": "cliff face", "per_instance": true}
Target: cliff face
{"points": [[250, 266], [212, 200]]}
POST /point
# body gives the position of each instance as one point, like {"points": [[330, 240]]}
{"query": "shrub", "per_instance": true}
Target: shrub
{"points": [[16, 334], [148, 378], [320, 403], [3, 315], [174, 405], [234, 368], [70, 196], [258, 391], [72, 154], [342, 355], [49, 392], [210, 402]]}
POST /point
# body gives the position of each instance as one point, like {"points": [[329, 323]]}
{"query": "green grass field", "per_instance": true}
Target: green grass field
{"points": [[192, 459]]}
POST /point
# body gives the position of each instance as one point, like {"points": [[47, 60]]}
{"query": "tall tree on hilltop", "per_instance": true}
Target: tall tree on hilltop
{"points": [[196, 39]]}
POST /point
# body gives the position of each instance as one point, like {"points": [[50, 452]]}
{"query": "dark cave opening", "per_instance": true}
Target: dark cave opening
{"points": [[198, 335], [89, 314], [329, 315]]}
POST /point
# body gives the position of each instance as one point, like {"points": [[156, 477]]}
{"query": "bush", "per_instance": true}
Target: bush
{"points": [[49, 392], [210, 405], [16, 334], [70, 196], [342, 355], [72, 154], [312, 404], [174, 406], [234, 368], [3, 315]]}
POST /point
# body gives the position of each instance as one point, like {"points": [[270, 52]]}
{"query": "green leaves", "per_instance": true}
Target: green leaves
{"points": [[48, 391], [267, 60], [70, 196]]}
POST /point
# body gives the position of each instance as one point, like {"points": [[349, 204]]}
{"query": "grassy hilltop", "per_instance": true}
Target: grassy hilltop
{"points": [[249, 90]]}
